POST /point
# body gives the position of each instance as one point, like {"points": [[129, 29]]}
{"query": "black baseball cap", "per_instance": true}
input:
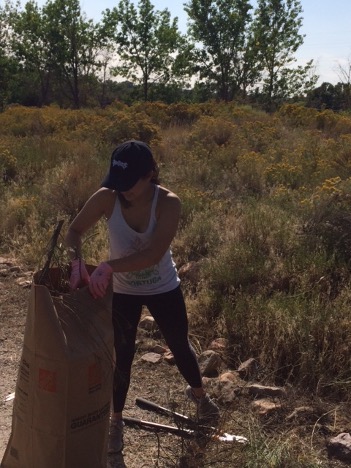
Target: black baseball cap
{"points": [[130, 161]]}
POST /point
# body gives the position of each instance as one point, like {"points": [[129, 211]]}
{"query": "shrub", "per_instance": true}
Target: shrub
{"points": [[16, 212], [199, 236], [328, 220], [68, 186], [251, 172], [265, 210], [183, 114], [212, 133], [8, 165], [127, 126], [297, 115]]}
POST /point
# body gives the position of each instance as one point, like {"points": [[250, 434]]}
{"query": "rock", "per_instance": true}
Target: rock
{"points": [[153, 358], [169, 358], [159, 349], [262, 391], [209, 362], [7, 261], [227, 392], [228, 386], [25, 274], [219, 345], [265, 407], [340, 447], [10, 270], [148, 323], [147, 344], [229, 376], [24, 283], [248, 368]]}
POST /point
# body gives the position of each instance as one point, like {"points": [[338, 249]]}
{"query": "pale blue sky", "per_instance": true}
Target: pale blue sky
{"points": [[326, 25]]}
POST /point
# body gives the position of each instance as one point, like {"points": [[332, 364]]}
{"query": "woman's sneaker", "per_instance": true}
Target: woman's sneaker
{"points": [[207, 410], [115, 440]]}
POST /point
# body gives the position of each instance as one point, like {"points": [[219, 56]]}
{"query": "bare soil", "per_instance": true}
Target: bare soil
{"points": [[162, 384]]}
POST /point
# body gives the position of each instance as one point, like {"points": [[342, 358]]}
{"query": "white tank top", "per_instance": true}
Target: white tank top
{"points": [[125, 241]]}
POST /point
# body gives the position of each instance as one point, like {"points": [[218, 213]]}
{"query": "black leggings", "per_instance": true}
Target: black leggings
{"points": [[168, 310]]}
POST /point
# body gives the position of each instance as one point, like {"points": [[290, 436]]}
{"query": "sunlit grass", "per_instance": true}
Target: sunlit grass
{"points": [[265, 211]]}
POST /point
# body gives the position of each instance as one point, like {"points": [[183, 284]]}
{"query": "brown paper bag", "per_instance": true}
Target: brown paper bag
{"points": [[63, 391]]}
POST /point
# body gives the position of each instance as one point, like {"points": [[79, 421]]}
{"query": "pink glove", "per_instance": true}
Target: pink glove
{"points": [[79, 274], [100, 279]]}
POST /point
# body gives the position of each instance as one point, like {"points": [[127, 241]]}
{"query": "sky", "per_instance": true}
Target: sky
{"points": [[326, 26]]}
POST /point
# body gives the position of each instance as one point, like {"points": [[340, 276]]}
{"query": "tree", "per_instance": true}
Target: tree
{"points": [[227, 54], [276, 28], [29, 44], [72, 45], [145, 42], [329, 96], [8, 65], [4, 75], [344, 74]]}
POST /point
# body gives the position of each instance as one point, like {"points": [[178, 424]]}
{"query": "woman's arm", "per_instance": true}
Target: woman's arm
{"points": [[98, 205]]}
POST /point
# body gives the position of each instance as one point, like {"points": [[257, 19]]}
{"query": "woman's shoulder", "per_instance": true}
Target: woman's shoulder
{"points": [[168, 202], [104, 194], [167, 196], [106, 199]]}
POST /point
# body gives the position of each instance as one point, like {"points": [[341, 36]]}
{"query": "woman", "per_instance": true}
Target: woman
{"points": [[142, 219]]}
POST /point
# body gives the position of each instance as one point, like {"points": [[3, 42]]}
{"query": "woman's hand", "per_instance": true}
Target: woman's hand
{"points": [[100, 279], [79, 274]]}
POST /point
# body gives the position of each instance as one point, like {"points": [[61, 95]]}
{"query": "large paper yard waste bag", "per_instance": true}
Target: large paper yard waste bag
{"points": [[63, 391]]}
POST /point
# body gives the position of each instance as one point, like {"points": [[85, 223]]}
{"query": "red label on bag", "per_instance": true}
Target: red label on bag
{"points": [[47, 380]]}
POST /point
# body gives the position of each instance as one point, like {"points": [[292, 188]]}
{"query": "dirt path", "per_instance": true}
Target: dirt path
{"points": [[160, 383], [157, 382]]}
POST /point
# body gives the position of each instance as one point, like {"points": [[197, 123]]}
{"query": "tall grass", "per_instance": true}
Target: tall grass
{"points": [[266, 203]]}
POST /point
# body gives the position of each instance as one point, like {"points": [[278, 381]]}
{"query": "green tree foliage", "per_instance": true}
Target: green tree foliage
{"points": [[344, 74], [8, 65], [145, 41], [225, 57], [72, 45], [56, 50], [4, 74], [329, 96], [276, 28], [30, 46], [231, 51]]}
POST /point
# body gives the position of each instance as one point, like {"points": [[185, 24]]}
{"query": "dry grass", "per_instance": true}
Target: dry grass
{"points": [[265, 212]]}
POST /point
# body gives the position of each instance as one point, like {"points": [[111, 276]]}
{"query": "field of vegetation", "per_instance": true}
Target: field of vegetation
{"points": [[266, 215]]}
